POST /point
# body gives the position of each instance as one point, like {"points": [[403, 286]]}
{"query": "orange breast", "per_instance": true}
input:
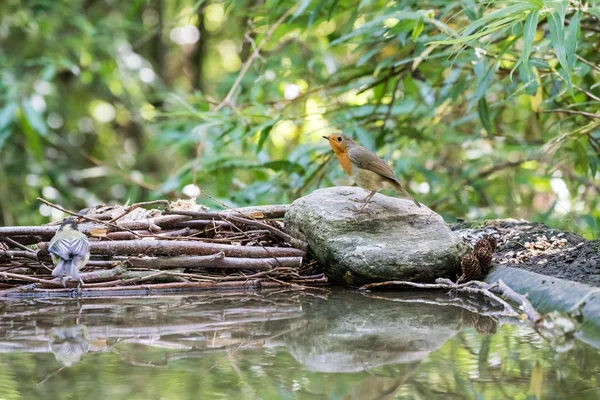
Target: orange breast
{"points": [[344, 161]]}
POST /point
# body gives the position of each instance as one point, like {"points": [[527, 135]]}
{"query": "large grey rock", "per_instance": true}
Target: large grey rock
{"points": [[391, 240]]}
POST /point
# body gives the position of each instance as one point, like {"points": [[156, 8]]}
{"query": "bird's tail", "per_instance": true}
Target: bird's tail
{"points": [[400, 188], [66, 267]]}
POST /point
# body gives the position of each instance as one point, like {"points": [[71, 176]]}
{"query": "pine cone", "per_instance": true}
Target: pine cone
{"points": [[486, 325], [470, 266], [484, 255], [493, 240], [483, 243]]}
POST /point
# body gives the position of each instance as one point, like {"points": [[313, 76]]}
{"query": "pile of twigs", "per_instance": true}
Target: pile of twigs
{"points": [[176, 245]]}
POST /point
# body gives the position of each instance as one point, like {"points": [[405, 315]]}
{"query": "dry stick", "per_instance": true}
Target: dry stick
{"points": [[17, 244], [215, 261], [30, 279], [253, 56], [235, 227], [46, 202], [249, 284], [257, 212], [137, 205], [172, 248], [526, 305], [11, 254], [576, 112], [297, 243], [124, 282]]}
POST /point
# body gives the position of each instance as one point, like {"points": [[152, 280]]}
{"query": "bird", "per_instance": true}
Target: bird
{"points": [[70, 251], [366, 168]]}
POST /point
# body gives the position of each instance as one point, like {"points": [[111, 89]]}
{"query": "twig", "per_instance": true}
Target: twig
{"points": [[16, 244], [30, 279], [253, 56], [46, 202], [526, 305], [257, 212], [137, 205], [576, 112]]}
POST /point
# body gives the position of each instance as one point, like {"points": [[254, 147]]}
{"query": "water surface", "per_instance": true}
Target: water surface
{"points": [[281, 345]]}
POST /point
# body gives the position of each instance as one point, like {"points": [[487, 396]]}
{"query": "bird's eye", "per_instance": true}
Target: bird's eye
{"points": [[339, 138]]}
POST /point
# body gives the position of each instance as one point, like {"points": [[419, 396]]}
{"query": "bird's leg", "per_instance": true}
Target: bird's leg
{"points": [[80, 282], [63, 281], [367, 200]]}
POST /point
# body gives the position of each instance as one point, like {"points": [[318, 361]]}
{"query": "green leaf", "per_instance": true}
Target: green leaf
{"points": [[367, 56], [470, 8], [483, 80], [537, 3], [4, 134], [34, 118], [571, 41], [418, 29], [484, 114], [529, 79], [513, 12], [557, 37], [301, 8], [491, 28], [6, 115], [581, 157], [529, 31], [264, 134]]}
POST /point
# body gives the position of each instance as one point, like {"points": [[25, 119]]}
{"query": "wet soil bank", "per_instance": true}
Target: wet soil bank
{"points": [[534, 247]]}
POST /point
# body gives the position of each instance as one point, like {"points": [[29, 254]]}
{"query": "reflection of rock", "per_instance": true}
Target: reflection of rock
{"points": [[350, 334], [69, 343]]}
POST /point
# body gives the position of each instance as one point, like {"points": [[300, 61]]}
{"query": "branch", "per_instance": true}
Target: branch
{"points": [[575, 112], [217, 261], [175, 248], [253, 56]]}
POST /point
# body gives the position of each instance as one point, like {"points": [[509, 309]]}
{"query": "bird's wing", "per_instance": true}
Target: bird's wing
{"points": [[366, 159], [67, 248]]}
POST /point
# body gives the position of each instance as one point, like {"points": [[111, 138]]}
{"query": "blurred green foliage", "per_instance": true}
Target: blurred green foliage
{"points": [[485, 109]]}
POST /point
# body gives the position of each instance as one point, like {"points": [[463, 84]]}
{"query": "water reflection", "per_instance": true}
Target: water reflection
{"points": [[281, 345]]}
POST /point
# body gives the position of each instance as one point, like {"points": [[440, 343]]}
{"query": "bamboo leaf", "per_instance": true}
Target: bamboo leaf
{"points": [[571, 41], [557, 38], [418, 29], [529, 31], [484, 114], [264, 134], [34, 118], [483, 81], [301, 8], [537, 3]]}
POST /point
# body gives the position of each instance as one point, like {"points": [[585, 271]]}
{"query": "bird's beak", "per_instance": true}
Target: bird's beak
{"points": [[325, 137]]}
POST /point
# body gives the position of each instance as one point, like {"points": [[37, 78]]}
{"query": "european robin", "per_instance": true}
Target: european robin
{"points": [[365, 167]]}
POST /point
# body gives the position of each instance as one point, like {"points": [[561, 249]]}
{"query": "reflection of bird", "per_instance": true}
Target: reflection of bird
{"points": [[365, 167], [70, 250], [69, 344]]}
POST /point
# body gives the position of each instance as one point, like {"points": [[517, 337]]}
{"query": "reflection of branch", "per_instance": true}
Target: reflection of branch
{"points": [[50, 375]]}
